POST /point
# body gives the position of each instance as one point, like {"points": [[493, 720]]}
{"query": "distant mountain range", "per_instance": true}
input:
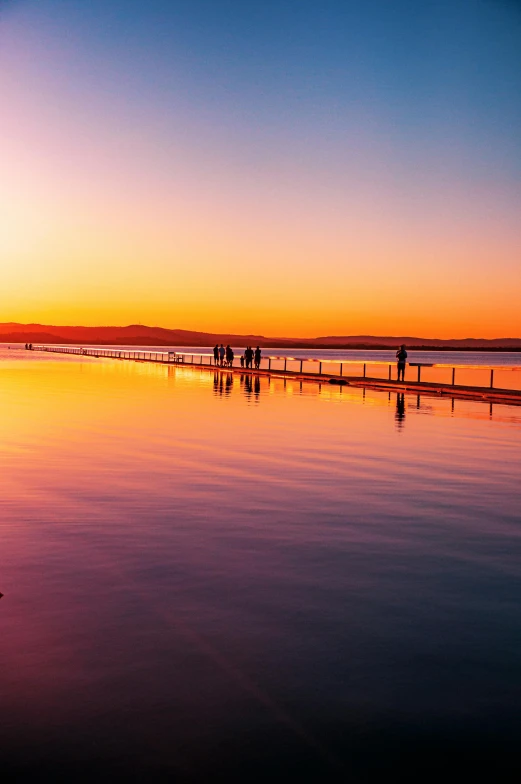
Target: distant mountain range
{"points": [[140, 335]]}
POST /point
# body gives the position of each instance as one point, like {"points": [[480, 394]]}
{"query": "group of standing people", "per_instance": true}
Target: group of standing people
{"points": [[251, 358], [223, 357]]}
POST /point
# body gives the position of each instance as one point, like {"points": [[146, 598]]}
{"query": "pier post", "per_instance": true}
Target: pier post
{"points": [[419, 373], [453, 376], [320, 368], [364, 371], [285, 363], [390, 371], [301, 361], [341, 368], [491, 379], [269, 363]]}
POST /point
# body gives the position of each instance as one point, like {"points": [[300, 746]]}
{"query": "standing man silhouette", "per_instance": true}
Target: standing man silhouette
{"points": [[401, 356]]}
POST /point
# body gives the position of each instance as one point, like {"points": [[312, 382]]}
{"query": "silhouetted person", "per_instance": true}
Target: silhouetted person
{"points": [[401, 356], [222, 354], [242, 360], [229, 356], [216, 354], [257, 357], [249, 356], [399, 415]]}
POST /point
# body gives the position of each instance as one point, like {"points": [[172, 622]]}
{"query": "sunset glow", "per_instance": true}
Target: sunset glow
{"points": [[201, 166]]}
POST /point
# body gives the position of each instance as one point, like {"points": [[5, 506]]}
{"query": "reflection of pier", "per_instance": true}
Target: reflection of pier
{"points": [[438, 379]]}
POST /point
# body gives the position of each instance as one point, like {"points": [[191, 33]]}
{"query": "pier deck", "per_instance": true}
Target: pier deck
{"points": [[204, 362]]}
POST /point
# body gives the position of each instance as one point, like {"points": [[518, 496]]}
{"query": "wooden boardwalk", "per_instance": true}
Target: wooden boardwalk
{"points": [[204, 362]]}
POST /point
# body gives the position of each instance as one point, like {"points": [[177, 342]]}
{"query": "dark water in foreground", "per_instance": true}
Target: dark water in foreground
{"points": [[209, 579]]}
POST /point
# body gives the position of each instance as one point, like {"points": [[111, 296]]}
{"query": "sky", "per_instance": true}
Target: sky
{"points": [[286, 168]]}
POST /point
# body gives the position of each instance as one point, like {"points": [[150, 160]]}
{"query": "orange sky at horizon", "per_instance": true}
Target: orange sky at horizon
{"points": [[116, 214], [83, 251]]}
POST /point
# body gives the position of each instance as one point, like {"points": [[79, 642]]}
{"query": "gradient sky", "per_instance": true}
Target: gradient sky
{"points": [[285, 168]]}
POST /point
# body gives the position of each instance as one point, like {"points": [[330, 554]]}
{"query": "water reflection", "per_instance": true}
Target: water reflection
{"points": [[228, 574], [255, 387], [222, 383], [400, 410], [251, 386]]}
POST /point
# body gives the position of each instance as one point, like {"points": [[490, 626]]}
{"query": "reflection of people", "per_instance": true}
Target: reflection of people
{"points": [[248, 385], [401, 356], [217, 383], [399, 415]]}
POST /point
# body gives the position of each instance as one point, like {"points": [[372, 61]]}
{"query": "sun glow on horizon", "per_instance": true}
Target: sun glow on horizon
{"points": [[160, 191]]}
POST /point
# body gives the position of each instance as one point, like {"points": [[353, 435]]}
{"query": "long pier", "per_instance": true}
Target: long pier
{"points": [[341, 372]]}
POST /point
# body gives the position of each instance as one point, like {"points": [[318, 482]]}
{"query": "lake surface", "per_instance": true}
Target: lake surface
{"points": [[210, 576]]}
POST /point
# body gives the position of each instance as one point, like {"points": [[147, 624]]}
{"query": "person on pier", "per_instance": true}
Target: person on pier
{"points": [[229, 356], [216, 354], [257, 358], [401, 356], [222, 353]]}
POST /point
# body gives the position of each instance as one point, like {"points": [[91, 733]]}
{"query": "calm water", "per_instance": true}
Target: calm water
{"points": [[206, 577]]}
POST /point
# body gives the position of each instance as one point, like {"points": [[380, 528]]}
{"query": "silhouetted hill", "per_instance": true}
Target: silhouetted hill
{"points": [[141, 335]]}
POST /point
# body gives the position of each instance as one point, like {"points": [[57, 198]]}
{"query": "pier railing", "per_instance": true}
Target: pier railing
{"points": [[478, 376]]}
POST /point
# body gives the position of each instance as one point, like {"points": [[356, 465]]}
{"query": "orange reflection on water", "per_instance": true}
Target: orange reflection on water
{"points": [[186, 550]]}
